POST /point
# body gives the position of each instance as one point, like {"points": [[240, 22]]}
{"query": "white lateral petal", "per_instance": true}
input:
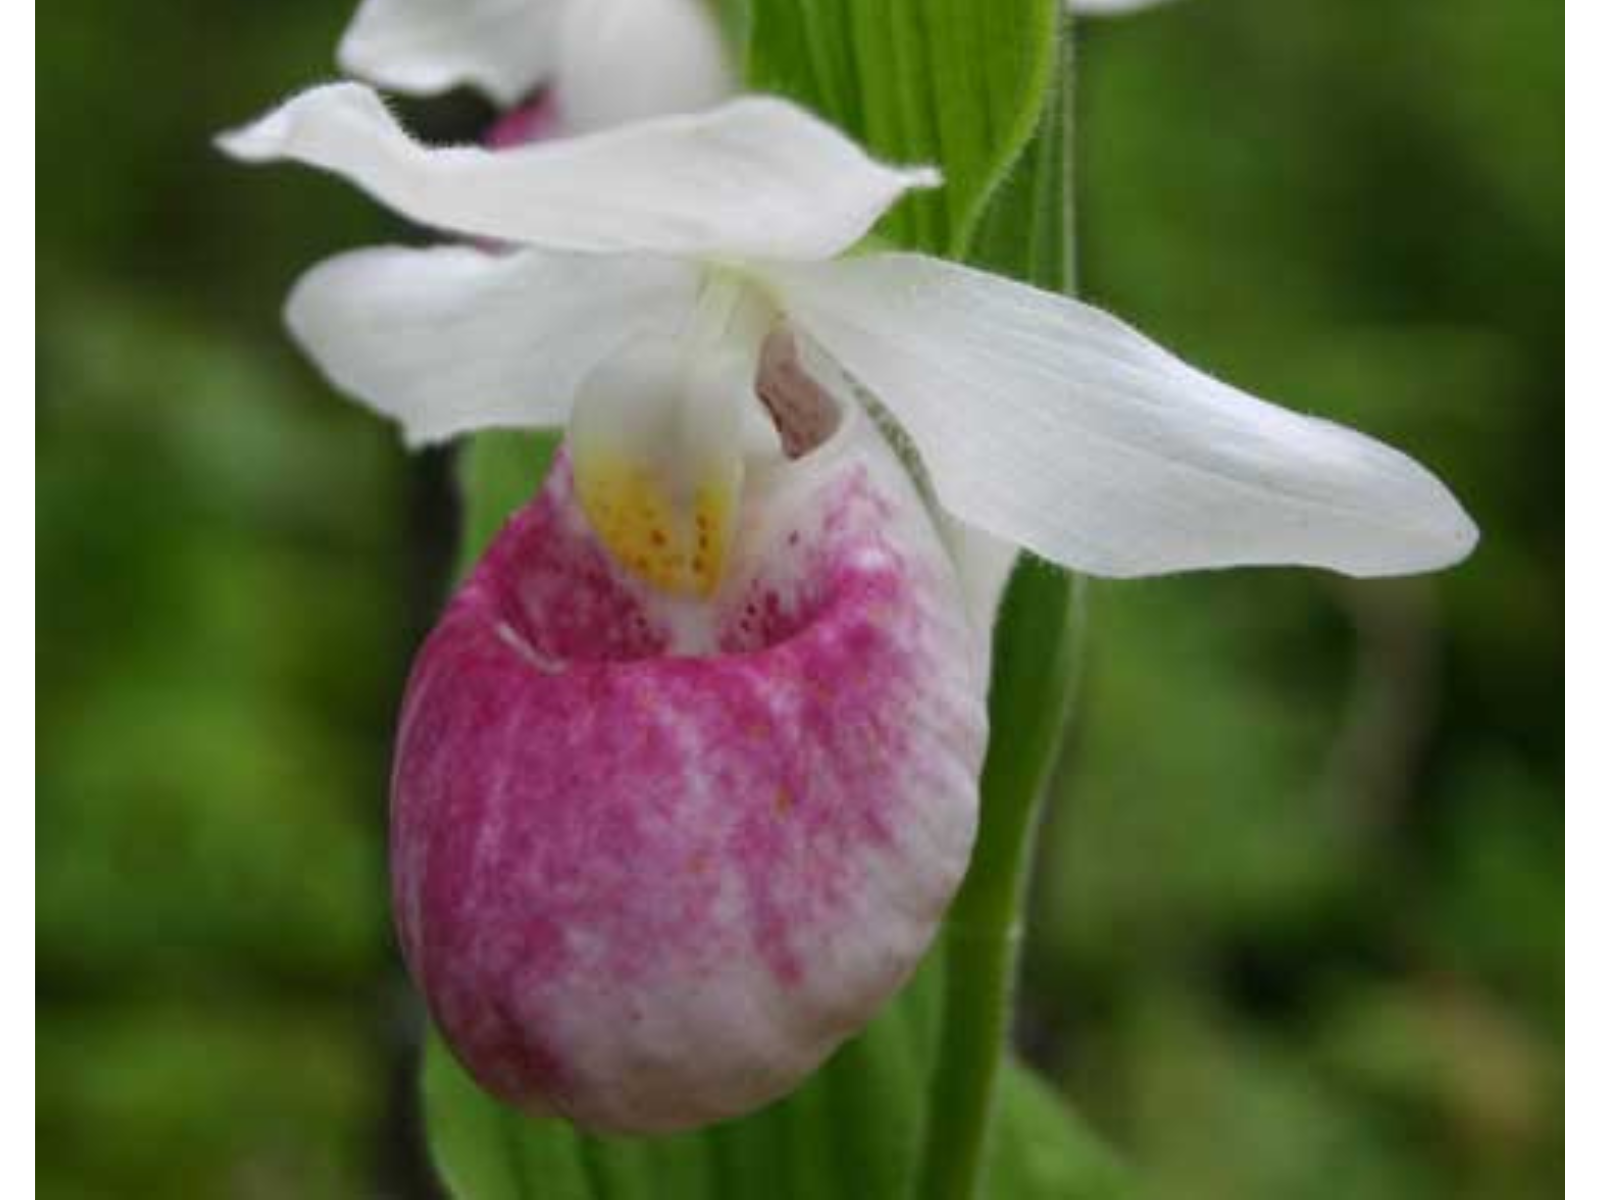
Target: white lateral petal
{"points": [[1051, 423], [755, 178], [451, 339], [627, 60], [503, 47]]}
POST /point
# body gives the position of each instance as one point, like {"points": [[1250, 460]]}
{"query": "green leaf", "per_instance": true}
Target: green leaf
{"points": [[1025, 232], [849, 1132], [1042, 1150], [497, 472], [956, 83]]}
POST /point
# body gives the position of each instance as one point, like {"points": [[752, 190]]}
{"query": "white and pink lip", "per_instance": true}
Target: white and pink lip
{"points": [[648, 889]]}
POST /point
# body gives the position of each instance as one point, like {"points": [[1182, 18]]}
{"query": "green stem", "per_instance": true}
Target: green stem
{"points": [[1028, 235], [1035, 652]]}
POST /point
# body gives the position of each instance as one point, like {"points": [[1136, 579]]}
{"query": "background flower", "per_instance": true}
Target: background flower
{"points": [[594, 63]]}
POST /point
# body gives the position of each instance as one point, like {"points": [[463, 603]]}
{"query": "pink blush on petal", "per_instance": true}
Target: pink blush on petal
{"points": [[535, 120]]}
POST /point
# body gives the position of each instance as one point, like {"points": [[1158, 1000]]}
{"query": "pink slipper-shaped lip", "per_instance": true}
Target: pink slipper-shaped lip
{"points": [[654, 859]]}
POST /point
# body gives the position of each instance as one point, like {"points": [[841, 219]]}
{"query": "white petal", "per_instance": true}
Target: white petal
{"points": [[1108, 8], [453, 338], [626, 60], [504, 47], [756, 178], [1055, 425]]}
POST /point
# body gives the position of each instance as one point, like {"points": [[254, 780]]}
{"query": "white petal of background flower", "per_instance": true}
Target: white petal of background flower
{"points": [[757, 177], [503, 47], [1050, 423], [625, 60], [453, 338], [1108, 8]]}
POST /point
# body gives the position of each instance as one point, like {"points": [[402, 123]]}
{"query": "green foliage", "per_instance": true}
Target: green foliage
{"points": [[947, 82], [1299, 933], [210, 895], [497, 473], [849, 1132], [234, 1096]]}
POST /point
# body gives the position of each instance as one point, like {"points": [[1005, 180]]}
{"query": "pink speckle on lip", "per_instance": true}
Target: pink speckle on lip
{"points": [[651, 888]]}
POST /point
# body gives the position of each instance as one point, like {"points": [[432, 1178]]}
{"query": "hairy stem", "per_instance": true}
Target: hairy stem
{"points": [[1035, 650]]}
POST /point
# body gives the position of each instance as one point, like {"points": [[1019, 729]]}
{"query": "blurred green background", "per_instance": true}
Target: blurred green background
{"points": [[1298, 925]]}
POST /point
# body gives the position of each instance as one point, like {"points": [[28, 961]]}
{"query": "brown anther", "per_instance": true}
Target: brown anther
{"points": [[803, 413]]}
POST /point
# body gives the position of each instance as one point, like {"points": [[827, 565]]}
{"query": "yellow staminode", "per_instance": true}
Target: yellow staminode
{"points": [[674, 538], [657, 440]]}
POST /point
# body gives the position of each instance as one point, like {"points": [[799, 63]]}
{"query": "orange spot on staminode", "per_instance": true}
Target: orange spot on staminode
{"points": [[680, 548]]}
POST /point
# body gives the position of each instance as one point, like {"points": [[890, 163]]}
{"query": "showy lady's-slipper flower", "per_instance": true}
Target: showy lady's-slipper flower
{"points": [[553, 66], [688, 771]]}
